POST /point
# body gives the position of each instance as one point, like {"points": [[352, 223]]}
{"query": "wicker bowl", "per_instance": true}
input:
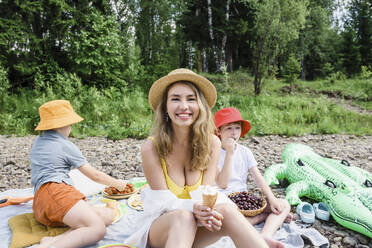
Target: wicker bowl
{"points": [[253, 212]]}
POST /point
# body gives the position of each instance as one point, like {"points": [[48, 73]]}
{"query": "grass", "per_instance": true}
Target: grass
{"points": [[358, 90], [296, 113], [121, 113]]}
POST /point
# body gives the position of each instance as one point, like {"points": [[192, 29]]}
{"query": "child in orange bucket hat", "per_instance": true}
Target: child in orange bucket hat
{"points": [[236, 161], [56, 201]]}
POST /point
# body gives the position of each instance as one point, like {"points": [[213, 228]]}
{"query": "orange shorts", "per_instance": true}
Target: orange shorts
{"points": [[53, 200]]}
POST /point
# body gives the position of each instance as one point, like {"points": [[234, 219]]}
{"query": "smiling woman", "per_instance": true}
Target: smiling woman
{"points": [[181, 155], [187, 101]]}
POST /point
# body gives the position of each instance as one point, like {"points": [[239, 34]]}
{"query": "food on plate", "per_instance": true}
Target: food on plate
{"points": [[135, 202], [114, 191]]}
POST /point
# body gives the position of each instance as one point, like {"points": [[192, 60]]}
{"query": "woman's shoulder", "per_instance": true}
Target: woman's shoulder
{"points": [[216, 142], [148, 145]]}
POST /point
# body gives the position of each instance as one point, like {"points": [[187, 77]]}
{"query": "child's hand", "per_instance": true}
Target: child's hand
{"points": [[276, 205], [229, 145], [120, 185], [209, 218]]}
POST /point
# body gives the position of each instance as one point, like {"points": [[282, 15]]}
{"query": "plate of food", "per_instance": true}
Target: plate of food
{"points": [[113, 193], [119, 212], [135, 202]]}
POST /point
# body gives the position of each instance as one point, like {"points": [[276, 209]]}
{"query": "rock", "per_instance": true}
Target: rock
{"points": [[362, 239], [317, 224], [103, 164], [350, 241], [115, 173], [362, 246], [329, 228], [341, 233], [337, 239], [254, 140], [10, 162]]}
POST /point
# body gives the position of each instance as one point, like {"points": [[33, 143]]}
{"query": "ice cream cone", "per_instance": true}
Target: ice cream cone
{"points": [[209, 196], [209, 200]]}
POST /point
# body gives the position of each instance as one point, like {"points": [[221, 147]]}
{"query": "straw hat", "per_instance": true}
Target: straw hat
{"points": [[205, 86], [230, 115], [56, 114]]}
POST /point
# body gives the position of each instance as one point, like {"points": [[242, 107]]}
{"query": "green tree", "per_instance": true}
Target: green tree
{"points": [[277, 23], [32, 33], [350, 52], [157, 36], [56, 36], [314, 42], [360, 20], [292, 70], [96, 52], [217, 30], [319, 41]]}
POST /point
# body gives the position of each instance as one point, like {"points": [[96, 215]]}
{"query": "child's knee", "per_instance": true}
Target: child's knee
{"points": [[98, 232], [287, 206]]}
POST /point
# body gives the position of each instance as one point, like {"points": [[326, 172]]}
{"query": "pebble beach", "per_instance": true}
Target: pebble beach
{"points": [[122, 159]]}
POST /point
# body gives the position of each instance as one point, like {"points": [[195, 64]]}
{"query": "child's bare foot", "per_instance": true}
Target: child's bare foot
{"points": [[272, 243], [289, 218], [46, 241]]}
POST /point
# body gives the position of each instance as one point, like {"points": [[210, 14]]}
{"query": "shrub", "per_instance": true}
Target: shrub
{"points": [[327, 69], [292, 70], [4, 83], [336, 76], [366, 73]]}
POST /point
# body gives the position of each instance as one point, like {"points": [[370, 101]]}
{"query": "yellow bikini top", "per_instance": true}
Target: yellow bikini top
{"points": [[180, 192]]}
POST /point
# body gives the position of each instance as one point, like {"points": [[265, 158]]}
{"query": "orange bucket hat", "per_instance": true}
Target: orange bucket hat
{"points": [[205, 86], [56, 114], [230, 115]]}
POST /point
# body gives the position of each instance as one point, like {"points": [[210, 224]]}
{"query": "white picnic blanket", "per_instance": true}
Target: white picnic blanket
{"points": [[290, 234], [116, 232]]}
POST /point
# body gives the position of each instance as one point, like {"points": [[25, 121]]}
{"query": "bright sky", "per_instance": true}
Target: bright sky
{"points": [[341, 10]]}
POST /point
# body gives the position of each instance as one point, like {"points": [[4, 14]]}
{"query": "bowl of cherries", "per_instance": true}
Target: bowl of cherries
{"points": [[250, 203]]}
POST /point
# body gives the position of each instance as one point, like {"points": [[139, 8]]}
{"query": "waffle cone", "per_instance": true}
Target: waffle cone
{"points": [[209, 200]]}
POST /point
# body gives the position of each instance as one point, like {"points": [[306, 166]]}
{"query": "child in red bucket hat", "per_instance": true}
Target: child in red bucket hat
{"points": [[57, 202], [235, 162]]}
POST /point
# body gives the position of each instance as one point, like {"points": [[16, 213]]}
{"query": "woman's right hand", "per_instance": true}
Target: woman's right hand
{"points": [[209, 218]]}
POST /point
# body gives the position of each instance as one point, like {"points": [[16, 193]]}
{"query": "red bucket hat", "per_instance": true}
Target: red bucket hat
{"points": [[229, 115]]}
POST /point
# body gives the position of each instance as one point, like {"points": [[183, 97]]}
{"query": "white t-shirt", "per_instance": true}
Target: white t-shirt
{"points": [[242, 161]]}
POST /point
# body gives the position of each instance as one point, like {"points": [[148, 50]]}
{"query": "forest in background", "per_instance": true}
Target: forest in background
{"points": [[104, 55]]}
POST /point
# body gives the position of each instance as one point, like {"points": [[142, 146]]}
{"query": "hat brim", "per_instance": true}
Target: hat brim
{"points": [[205, 86], [246, 126], [58, 122]]}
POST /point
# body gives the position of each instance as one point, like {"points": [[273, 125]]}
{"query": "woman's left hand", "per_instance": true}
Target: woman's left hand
{"points": [[215, 223], [209, 218]]}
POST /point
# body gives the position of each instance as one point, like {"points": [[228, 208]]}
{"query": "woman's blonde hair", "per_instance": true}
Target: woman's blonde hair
{"points": [[200, 138]]}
